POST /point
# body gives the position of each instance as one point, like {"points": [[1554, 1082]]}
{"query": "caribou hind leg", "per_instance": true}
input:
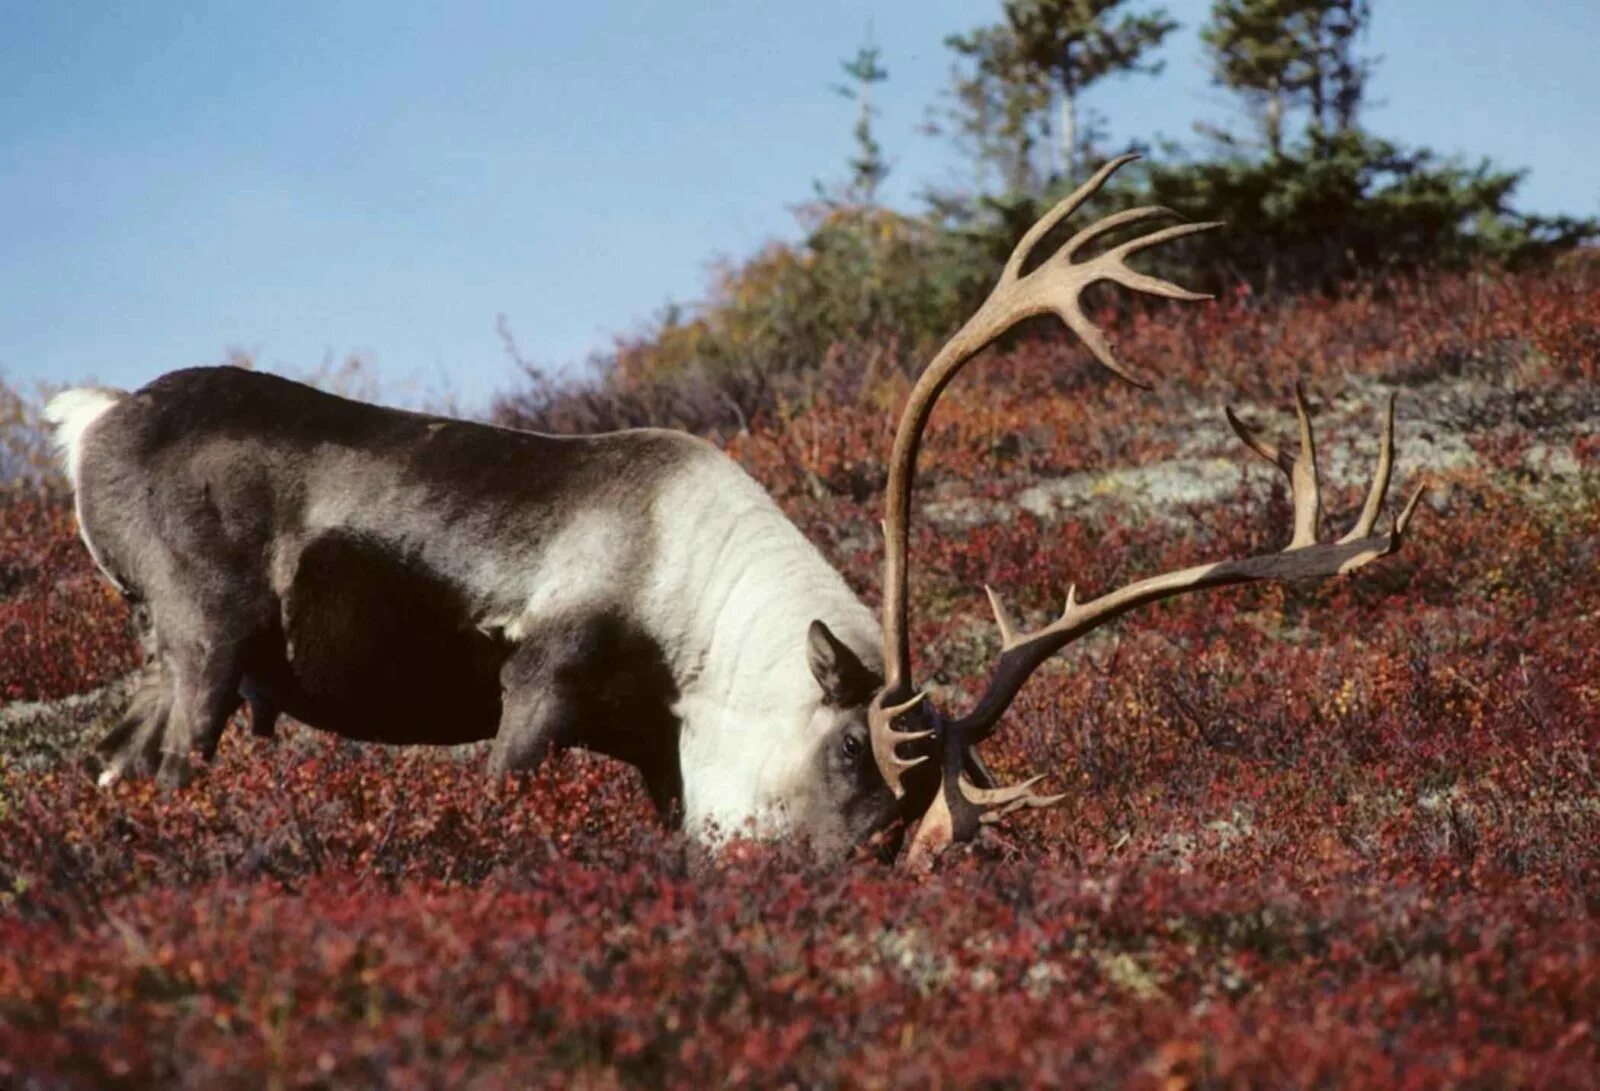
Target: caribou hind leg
{"points": [[133, 747], [189, 691], [178, 708], [205, 694]]}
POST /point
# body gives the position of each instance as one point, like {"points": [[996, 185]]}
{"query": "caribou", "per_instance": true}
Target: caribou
{"points": [[405, 578]]}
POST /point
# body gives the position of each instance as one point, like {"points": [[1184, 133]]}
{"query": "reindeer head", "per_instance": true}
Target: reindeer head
{"points": [[953, 794], [838, 797]]}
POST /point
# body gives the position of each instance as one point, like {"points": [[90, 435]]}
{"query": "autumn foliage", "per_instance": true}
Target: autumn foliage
{"points": [[1341, 834]]}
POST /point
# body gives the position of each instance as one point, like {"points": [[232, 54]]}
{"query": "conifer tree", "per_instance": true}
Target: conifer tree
{"points": [[999, 113], [1286, 54], [1073, 43], [868, 168], [1043, 53]]}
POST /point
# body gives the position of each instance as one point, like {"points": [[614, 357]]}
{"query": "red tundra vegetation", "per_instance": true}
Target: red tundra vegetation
{"points": [[1339, 834]]}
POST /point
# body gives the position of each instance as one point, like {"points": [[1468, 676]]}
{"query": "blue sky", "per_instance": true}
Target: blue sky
{"points": [[307, 180]]}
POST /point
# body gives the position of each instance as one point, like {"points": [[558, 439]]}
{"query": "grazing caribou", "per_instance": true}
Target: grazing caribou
{"points": [[405, 578]]}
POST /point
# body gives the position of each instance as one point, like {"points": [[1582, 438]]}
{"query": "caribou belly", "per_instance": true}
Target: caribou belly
{"points": [[377, 647]]}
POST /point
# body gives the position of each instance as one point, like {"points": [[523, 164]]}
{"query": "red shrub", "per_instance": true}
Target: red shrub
{"points": [[1346, 833]]}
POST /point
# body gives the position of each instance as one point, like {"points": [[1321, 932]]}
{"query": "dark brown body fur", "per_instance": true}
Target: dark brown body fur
{"points": [[200, 495]]}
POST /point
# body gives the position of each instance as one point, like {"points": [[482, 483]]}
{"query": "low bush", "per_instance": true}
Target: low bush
{"points": [[1346, 833]]}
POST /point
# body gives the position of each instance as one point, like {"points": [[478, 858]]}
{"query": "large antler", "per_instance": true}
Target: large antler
{"points": [[959, 805], [1052, 287]]}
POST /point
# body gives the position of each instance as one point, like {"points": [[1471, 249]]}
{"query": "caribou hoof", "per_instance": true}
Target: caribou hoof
{"points": [[176, 770]]}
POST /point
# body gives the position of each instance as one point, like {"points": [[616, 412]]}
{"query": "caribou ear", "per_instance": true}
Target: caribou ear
{"points": [[844, 679]]}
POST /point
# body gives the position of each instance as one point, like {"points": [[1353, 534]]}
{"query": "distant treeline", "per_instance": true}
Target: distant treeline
{"points": [[1312, 201]]}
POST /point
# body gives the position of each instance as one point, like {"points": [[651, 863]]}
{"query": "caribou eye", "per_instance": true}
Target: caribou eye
{"points": [[852, 746]]}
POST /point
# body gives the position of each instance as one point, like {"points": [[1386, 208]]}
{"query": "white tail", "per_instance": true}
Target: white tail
{"points": [[72, 412]]}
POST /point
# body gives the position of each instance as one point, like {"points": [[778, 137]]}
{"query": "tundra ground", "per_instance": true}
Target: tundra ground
{"points": [[1345, 834]]}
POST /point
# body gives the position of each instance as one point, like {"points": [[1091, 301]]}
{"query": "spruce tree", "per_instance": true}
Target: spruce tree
{"points": [[1287, 54], [1073, 43], [1043, 53], [998, 114], [868, 168]]}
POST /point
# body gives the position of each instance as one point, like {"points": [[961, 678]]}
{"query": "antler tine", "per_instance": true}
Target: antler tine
{"points": [[1303, 481], [1404, 518], [1301, 469], [1136, 281], [1156, 238], [886, 739], [1380, 480], [1063, 208], [1062, 281], [1142, 282], [996, 803], [1002, 618], [1258, 443], [1071, 312], [1111, 223], [956, 814]]}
